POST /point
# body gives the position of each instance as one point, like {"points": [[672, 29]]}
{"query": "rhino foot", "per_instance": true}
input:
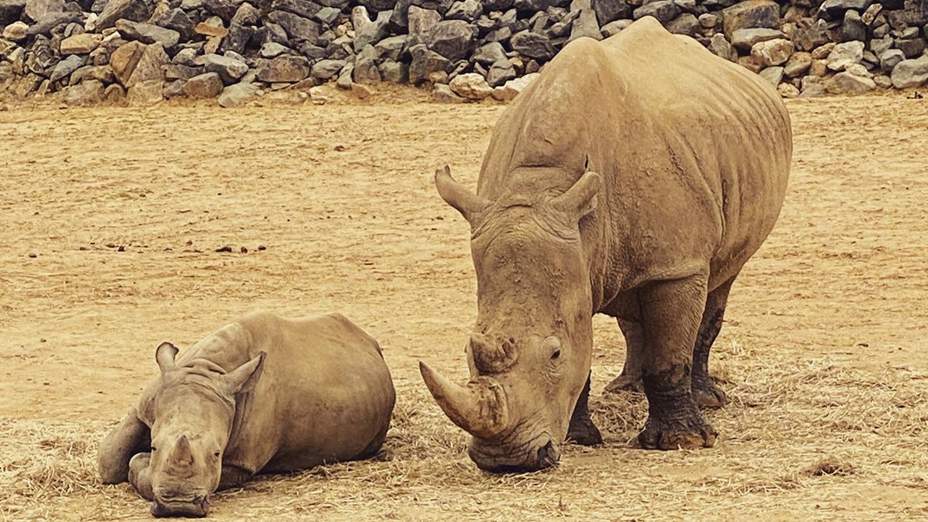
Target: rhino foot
{"points": [[685, 430], [584, 433], [625, 383], [707, 395]]}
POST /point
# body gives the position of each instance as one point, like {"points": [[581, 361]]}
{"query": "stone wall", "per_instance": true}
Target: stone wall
{"points": [[143, 51]]}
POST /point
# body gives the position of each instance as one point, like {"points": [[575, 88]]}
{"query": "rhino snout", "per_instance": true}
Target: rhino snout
{"points": [[195, 507]]}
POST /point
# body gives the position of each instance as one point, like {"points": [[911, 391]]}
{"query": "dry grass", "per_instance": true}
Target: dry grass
{"points": [[807, 429]]}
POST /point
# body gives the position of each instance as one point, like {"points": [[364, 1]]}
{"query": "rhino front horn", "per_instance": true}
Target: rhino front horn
{"points": [[475, 408], [182, 454]]}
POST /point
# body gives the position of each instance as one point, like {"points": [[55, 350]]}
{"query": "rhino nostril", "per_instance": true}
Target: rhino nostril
{"points": [[545, 452]]}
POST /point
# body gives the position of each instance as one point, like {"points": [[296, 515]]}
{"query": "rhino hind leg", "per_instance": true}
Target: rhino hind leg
{"points": [[129, 437], [705, 392], [582, 431], [671, 313], [630, 378]]}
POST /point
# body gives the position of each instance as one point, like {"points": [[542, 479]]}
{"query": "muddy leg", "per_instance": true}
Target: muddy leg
{"points": [[630, 378], [671, 313], [128, 438], [582, 430], [705, 392], [140, 475]]}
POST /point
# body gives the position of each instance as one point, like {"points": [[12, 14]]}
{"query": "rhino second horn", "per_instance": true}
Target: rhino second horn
{"points": [[474, 408], [182, 453]]}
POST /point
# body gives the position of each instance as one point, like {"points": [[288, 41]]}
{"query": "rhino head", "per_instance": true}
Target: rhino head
{"points": [[193, 411], [529, 355]]}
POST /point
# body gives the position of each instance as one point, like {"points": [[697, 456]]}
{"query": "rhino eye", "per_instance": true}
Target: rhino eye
{"points": [[216, 454], [154, 449], [555, 355]]}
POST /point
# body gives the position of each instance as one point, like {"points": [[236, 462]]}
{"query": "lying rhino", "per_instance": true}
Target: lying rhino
{"points": [[634, 178], [262, 394]]}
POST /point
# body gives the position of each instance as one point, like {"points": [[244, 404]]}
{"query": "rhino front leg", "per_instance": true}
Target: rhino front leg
{"points": [[630, 378], [128, 438], [671, 314], [705, 392], [233, 476], [582, 430], [140, 475]]}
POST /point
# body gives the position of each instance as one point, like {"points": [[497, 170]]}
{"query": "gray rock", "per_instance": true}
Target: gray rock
{"points": [[442, 93], [686, 24], [371, 32], [312, 52], [185, 57], [83, 43], [132, 10], [36, 9], [47, 23], [911, 47], [230, 70], [246, 14], [236, 95], [10, 11], [147, 93], [910, 73], [325, 70], [834, 9], [453, 39], [174, 89], [303, 8], [608, 11], [533, 6], [500, 73], [585, 25], [86, 94], [847, 83], [149, 66], [709, 20], [613, 28], [533, 45], [844, 54], [810, 34], [66, 67], [751, 14], [720, 47], [177, 20], [327, 16], [890, 59], [871, 13], [774, 75], [400, 17], [101, 73], [853, 28], [883, 82], [467, 10], [489, 54], [273, 50], [286, 68], [798, 64], [394, 72], [748, 38], [238, 38], [295, 26], [365, 67], [425, 62], [176, 71], [148, 33], [663, 10], [207, 85], [812, 87], [881, 45], [344, 80], [422, 21], [391, 48]]}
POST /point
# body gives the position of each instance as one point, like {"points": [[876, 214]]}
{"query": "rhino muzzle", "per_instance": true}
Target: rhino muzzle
{"points": [[535, 456], [194, 507]]}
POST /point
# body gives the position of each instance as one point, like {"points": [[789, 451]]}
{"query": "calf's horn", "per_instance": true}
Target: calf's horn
{"points": [[475, 408]]}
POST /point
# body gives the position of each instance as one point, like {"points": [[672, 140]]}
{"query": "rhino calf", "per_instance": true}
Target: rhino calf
{"points": [[262, 394]]}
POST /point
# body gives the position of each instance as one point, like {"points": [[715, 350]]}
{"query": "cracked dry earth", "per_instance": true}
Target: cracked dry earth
{"points": [[112, 218]]}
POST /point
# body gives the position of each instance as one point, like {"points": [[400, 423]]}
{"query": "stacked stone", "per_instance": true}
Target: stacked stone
{"points": [[145, 51]]}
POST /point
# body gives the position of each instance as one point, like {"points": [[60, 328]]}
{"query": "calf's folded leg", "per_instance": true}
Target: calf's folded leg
{"points": [[128, 438], [140, 475]]}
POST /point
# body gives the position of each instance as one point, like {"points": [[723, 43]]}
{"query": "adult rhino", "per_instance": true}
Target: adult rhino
{"points": [[262, 394], [634, 178]]}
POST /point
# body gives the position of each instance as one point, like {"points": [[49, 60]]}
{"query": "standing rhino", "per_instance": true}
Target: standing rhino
{"points": [[262, 394], [634, 178]]}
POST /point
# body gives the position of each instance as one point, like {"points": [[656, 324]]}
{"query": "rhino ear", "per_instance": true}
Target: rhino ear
{"points": [[580, 199], [456, 195], [165, 355], [244, 378]]}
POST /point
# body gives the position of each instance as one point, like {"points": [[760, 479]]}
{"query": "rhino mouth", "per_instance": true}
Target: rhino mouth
{"points": [[536, 455], [178, 507]]}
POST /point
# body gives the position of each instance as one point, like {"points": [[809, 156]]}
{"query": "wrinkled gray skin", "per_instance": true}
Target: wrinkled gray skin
{"points": [[634, 178], [262, 394]]}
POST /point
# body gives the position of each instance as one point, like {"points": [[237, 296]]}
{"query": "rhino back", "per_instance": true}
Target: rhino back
{"points": [[694, 151], [326, 393]]}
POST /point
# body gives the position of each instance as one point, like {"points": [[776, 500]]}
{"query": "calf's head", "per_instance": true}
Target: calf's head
{"points": [[193, 412], [529, 354]]}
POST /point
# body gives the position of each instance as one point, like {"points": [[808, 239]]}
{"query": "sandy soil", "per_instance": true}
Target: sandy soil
{"points": [[111, 222]]}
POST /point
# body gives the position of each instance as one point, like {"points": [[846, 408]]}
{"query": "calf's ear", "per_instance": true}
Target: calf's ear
{"points": [[244, 378], [165, 355]]}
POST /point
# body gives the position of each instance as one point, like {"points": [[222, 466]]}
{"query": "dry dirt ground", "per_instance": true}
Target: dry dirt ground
{"points": [[111, 219]]}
